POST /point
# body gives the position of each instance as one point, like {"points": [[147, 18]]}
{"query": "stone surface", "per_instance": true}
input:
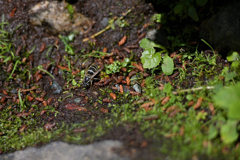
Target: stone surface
{"points": [[222, 30], [64, 151], [56, 17]]}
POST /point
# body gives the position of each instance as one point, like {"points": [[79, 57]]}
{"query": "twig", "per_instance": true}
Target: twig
{"points": [[26, 90], [109, 26], [192, 89]]}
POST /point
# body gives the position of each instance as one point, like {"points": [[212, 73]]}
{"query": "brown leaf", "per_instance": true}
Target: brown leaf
{"points": [[49, 126], [13, 12], [165, 100], [147, 104], [122, 41], [121, 89], [190, 103], [106, 100], [198, 104], [181, 132], [103, 110], [211, 107], [113, 96], [77, 130], [42, 47], [22, 128], [72, 106], [39, 99], [171, 109]]}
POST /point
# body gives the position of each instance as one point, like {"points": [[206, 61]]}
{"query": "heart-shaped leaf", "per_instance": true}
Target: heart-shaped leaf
{"points": [[150, 59]]}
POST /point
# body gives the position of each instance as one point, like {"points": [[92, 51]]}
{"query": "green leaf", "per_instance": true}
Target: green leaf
{"points": [[201, 2], [74, 83], [113, 68], [230, 76], [167, 65], [167, 88], [217, 87], [150, 59], [235, 64], [70, 8], [229, 99], [71, 36], [189, 97], [193, 13], [233, 56], [146, 43], [201, 116], [212, 132], [225, 98], [125, 62], [229, 132], [178, 8]]}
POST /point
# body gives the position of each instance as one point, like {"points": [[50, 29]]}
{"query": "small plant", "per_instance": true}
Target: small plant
{"points": [[159, 18], [151, 59], [116, 66], [228, 99], [65, 40]]}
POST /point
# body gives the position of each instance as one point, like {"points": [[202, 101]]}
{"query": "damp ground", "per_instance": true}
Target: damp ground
{"points": [[43, 100]]}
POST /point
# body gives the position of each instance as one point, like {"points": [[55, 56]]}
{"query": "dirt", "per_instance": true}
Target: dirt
{"points": [[29, 36]]}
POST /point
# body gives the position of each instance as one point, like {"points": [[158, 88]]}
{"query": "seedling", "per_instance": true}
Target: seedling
{"points": [[151, 59]]}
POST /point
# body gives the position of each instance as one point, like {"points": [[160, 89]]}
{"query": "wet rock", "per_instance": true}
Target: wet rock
{"points": [[63, 151], [55, 86], [77, 100], [57, 18], [157, 36], [222, 30], [14, 91], [117, 86], [125, 88], [137, 88], [104, 21]]}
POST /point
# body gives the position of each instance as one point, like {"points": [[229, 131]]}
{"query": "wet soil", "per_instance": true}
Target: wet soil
{"points": [[29, 36]]}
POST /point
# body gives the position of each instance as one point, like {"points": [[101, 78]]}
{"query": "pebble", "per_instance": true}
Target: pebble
{"points": [[55, 86], [104, 21], [137, 88], [77, 100]]}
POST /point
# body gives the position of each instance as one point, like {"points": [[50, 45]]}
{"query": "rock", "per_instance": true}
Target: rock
{"points": [[222, 30], [64, 151], [137, 88], [104, 21], [57, 18], [56, 87], [77, 100], [158, 36]]}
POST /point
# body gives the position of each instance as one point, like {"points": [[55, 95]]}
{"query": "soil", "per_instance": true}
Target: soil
{"points": [[29, 36]]}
